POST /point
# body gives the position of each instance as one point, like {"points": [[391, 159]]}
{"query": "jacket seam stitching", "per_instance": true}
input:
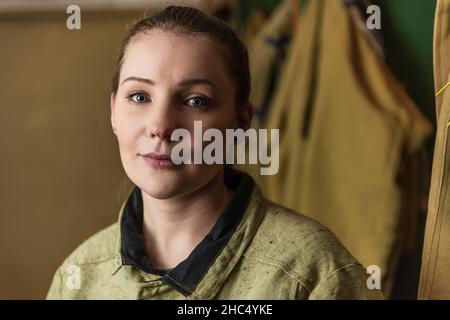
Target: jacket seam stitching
{"points": [[92, 262], [296, 279], [341, 268], [319, 284]]}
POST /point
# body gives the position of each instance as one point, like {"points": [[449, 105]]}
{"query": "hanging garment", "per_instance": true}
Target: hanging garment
{"points": [[434, 278], [358, 9], [250, 15], [266, 56], [267, 52], [344, 124]]}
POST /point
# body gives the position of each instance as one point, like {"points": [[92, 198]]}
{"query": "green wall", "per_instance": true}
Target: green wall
{"points": [[407, 29]]}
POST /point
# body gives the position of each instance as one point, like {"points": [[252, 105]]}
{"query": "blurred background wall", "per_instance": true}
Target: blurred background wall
{"points": [[60, 166]]}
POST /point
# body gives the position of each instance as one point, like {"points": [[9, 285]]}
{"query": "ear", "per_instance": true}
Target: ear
{"points": [[113, 118], [245, 116]]}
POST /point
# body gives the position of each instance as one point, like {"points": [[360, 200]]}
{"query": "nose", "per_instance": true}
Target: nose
{"points": [[161, 132], [162, 122]]}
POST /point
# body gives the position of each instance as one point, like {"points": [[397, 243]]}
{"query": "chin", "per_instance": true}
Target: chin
{"points": [[161, 186], [166, 184], [159, 193]]}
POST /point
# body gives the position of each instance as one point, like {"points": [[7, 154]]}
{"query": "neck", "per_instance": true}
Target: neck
{"points": [[174, 227]]}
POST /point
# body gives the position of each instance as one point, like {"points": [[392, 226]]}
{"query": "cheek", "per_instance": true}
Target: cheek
{"points": [[226, 121], [223, 118], [127, 134]]}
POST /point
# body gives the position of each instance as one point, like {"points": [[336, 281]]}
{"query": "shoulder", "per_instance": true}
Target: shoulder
{"points": [[304, 250], [98, 248], [291, 233], [92, 257]]}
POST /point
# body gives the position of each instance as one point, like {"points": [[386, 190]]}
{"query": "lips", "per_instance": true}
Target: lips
{"points": [[157, 156], [160, 161]]}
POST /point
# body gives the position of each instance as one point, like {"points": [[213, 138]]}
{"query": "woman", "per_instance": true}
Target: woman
{"points": [[197, 231]]}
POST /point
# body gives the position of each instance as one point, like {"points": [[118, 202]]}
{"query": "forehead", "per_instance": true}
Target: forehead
{"points": [[175, 56]]}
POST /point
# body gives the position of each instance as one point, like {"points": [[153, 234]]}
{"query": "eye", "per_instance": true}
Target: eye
{"points": [[198, 102], [138, 97]]}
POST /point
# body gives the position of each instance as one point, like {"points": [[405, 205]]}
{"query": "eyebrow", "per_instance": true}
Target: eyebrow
{"points": [[184, 83]]}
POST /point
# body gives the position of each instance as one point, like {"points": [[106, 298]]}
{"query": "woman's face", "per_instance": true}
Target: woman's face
{"points": [[168, 81]]}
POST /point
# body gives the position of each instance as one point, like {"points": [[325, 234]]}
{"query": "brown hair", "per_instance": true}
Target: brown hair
{"points": [[187, 20]]}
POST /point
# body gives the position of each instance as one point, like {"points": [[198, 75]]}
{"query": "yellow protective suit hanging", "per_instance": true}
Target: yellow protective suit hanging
{"points": [[344, 123], [434, 277]]}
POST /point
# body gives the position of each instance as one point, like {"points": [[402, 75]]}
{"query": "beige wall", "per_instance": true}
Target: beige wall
{"points": [[60, 168]]}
